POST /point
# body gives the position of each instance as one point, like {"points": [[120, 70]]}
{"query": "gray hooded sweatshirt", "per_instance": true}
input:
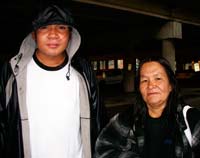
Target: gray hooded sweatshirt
{"points": [[19, 67]]}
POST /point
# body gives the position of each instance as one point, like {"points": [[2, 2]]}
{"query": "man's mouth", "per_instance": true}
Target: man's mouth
{"points": [[52, 45]]}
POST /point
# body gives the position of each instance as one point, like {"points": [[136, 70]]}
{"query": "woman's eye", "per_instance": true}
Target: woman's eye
{"points": [[158, 78], [143, 81]]}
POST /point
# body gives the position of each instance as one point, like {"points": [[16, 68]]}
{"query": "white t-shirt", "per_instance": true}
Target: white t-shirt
{"points": [[54, 112]]}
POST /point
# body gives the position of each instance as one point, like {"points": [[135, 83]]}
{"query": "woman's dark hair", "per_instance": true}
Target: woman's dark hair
{"points": [[173, 96]]}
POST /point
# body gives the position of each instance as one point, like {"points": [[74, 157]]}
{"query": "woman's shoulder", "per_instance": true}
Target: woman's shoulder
{"points": [[120, 121], [193, 117], [127, 116]]}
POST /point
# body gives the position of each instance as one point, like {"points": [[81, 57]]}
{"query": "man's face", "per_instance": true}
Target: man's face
{"points": [[52, 40]]}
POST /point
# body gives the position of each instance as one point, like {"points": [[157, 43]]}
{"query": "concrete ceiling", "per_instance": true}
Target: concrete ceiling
{"points": [[178, 10], [106, 25]]}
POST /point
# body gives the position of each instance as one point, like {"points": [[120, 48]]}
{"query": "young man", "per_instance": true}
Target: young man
{"points": [[49, 103]]}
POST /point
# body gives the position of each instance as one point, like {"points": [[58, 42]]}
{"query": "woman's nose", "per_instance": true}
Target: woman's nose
{"points": [[151, 84]]}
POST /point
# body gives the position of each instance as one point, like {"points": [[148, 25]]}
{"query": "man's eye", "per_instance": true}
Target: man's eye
{"points": [[43, 27], [63, 27]]}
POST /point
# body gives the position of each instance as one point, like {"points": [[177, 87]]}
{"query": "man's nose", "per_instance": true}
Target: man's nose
{"points": [[53, 32]]}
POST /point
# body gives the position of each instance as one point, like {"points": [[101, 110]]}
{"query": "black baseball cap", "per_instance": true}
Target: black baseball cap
{"points": [[53, 14]]}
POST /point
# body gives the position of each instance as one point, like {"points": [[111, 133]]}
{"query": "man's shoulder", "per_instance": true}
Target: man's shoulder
{"points": [[5, 68], [77, 59]]}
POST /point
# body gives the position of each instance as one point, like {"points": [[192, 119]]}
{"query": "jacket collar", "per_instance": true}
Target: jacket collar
{"points": [[28, 46]]}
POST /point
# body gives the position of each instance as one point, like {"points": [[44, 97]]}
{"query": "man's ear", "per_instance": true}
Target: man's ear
{"points": [[33, 35]]}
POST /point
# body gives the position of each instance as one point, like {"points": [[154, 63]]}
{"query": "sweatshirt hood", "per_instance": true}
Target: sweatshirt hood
{"points": [[52, 14]]}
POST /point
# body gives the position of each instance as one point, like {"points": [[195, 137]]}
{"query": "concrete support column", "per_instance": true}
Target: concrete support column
{"points": [[168, 52], [128, 82], [171, 30]]}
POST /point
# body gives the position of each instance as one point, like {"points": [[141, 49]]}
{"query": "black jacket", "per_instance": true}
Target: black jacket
{"points": [[124, 136], [10, 124], [12, 96]]}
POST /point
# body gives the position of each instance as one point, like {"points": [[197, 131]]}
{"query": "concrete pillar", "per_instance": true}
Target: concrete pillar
{"points": [[128, 82], [171, 30], [168, 51]]}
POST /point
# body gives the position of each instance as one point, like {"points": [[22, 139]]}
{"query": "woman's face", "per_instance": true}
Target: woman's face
{"points": [[154, 87]]}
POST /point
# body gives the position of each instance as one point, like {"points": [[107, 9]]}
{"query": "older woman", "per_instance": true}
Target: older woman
{"points": [[159, 125]]}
